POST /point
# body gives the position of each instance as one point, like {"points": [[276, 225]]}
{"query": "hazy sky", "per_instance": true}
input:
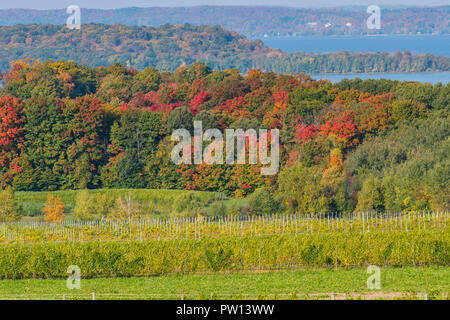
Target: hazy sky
{"points": [[108, 4]]}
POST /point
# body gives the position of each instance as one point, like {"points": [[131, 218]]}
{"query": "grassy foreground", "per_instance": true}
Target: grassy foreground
{"points": [[396, 283]]}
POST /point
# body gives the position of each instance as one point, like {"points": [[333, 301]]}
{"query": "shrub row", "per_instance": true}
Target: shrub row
{"points": [[134, 258]]}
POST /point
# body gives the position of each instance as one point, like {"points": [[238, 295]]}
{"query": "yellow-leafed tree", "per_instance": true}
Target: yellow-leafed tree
{"points": [[54, 209], [84, 207]]}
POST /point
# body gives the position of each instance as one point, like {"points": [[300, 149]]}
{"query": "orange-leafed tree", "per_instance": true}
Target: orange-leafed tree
{"points": [[54, 209]]}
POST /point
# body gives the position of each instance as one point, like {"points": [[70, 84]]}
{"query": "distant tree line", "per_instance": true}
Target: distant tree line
{"points": [[169, 46], [255, 22]]}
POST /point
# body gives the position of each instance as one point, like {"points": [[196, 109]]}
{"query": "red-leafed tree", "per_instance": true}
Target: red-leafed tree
{"points": [[12, 120], [342, 129], [306, 133], [197, 101], [236, 108]]}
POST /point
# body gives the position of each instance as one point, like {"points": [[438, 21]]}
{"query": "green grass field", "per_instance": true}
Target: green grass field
{"points": [[152, 201], [396, 283]]}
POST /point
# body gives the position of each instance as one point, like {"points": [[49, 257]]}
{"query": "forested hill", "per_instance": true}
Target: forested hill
{"points": [[165, 47], [255, 21], [356, 145], [169, 46]]}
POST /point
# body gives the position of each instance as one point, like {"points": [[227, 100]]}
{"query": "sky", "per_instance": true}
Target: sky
{"points": [[110, 4]]}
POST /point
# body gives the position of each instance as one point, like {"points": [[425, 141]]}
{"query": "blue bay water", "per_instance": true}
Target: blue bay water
{"points": [[433, 78], [416, 44], [435, 44]]}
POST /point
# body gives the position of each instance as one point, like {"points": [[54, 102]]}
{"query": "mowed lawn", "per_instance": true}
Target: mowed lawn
{"points": [[396, 283]]}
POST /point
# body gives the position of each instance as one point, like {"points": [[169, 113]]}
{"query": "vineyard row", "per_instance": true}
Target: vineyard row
{"points": [[218, 227]]}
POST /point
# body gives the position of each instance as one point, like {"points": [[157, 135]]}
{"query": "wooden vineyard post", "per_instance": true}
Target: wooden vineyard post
{"points": [[336, 259], [406, 222], [424, 226], [260, 248], [278, 255]]}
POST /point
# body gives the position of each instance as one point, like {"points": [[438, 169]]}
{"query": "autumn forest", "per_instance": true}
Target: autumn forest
{"points": [[354, 145]]}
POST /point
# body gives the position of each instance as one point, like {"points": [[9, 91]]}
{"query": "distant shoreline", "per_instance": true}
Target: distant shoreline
{"points": [[379, 73], [435, 44], [421, 77], [356, 35]]}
